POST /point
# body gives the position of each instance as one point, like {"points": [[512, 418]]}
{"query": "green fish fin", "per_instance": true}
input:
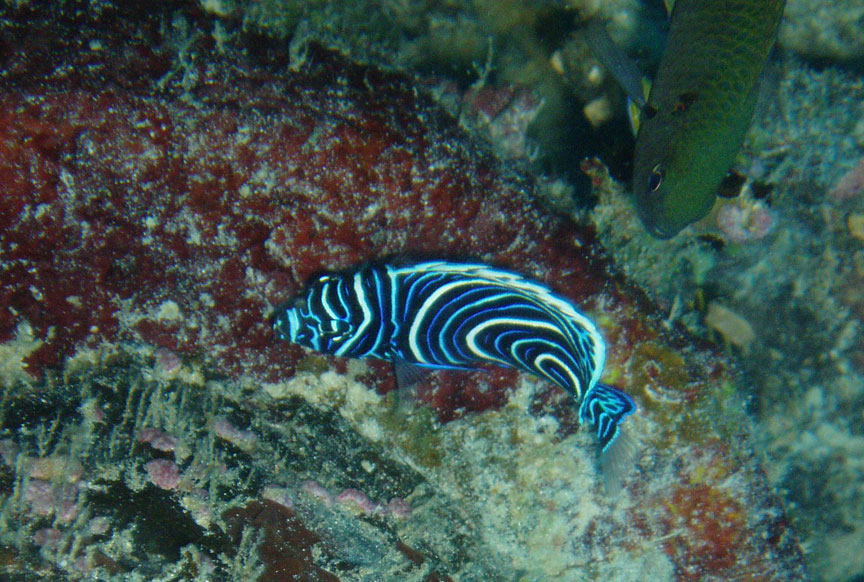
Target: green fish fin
{"points": [[634, 110], [615, 61], [670, 5], [621, 67]]}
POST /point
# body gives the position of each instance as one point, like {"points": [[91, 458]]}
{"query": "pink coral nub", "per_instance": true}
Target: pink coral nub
{"points": [[159, 440], [163, 473], [745, 223], [850, 185]]}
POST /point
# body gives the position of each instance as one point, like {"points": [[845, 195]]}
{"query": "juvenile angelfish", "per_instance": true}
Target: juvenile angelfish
{"points": [[453, 315]]}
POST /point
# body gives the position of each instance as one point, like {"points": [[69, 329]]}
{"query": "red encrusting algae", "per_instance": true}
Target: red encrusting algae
{"points": [[179, 226], [710, 525]]}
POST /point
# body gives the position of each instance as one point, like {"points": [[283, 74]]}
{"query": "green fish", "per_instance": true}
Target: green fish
{"points": [[699, 107]]}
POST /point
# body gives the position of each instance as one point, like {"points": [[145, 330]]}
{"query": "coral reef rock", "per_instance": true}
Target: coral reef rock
{"points": [[166, 180]]}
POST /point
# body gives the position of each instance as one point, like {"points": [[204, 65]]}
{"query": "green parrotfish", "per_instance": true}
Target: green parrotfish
{"points": [[699, 107]]}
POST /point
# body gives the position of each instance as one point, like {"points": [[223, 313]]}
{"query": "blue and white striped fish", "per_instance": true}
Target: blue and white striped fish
{"points": [[453, 315]]}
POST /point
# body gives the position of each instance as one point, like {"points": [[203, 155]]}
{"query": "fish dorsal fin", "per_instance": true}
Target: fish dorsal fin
{"points": [[540, 293]]}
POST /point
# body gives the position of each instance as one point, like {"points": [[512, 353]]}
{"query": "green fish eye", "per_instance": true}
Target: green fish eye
{"points": [[656, 178]]}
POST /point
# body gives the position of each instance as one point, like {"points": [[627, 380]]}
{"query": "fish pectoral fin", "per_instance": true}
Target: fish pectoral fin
{"points": [[670, 6], [635, 110], [408, 374]]}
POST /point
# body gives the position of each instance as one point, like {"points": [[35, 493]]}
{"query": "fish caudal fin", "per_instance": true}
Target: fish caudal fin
{"points": [[616, 461], [605, 408]]}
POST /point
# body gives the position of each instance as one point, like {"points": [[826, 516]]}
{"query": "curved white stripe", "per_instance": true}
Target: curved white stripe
{"points": [[575, 383], [572, 323], [293, 324], [471, 337], [379, 301], [325, 302], [394, 308], [420, 316], [367, 315]]}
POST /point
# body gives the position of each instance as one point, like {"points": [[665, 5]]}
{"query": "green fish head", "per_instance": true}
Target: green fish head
{"points": [[697, 113], [674, 188]]}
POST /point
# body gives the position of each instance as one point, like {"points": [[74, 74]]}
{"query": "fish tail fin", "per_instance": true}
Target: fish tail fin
{"points": [[605, 408], [616, 461]]}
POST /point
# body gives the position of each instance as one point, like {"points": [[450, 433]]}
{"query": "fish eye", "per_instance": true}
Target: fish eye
{"points": [[656, 178]]}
